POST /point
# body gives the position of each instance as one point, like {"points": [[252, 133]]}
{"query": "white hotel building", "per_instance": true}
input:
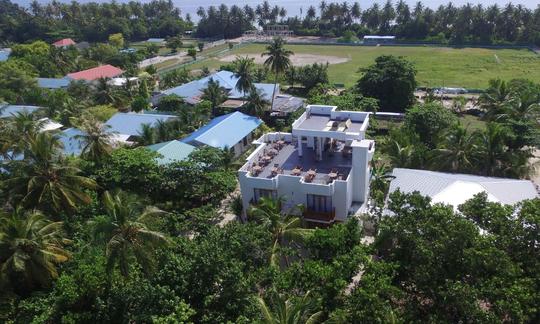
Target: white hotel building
{"points": [[324, 164]]}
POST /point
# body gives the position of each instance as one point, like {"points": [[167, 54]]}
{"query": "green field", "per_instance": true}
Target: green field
{"points": [[437, 66]]}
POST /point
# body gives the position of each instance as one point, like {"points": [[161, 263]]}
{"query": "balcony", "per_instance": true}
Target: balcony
{"points": [[318, 216]]}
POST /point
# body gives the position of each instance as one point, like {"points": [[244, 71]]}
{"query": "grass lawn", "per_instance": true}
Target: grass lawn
{"points": [[437, 66], [472, 123]]}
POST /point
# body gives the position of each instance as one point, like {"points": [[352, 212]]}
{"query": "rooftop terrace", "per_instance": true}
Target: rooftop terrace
{"points": [[272, 159], [326, 123]]}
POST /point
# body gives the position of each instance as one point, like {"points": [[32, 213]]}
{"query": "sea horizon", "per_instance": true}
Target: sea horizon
{"points": [[295, 7]]}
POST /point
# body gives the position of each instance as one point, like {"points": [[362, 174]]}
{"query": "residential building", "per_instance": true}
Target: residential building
{"points": [[454, 189], [377, 39], [8, 111], [233, 131], [120, 82], [64, 43], [158, 41], [127, 126], [93, 74], [53, 83], [192, 92], [171, 151], [323, 164]]}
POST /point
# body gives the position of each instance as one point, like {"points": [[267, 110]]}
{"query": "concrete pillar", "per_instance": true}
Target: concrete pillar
{"points": [[319, 148], [361, 156], [299, 145]]}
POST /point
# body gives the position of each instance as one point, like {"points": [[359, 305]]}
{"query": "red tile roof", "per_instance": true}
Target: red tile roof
{"points": [[64, 42], [103, 71]]}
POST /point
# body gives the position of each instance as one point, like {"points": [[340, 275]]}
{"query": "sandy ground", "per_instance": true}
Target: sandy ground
{"points": [[296, 59]]}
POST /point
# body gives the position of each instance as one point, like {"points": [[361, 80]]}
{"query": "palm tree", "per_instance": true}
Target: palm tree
{"points": [[215, 94], [147, 135], [457, 151], [289, 311], [244, 73], [256, 105], [30, 249], [17, 129], [283, 225], [380, 177], [96, 140], [47, 180], [494, 98], [126, 231], [491, 147], [401, 156], [278, 60], [104, 92]]}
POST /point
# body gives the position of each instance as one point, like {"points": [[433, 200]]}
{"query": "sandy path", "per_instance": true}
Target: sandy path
{"points": [[296, 59]]}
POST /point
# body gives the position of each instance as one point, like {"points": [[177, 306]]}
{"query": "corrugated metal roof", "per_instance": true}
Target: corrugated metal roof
{"points": [[131, 123], [224, 131], [64, 42], [11, 110], [53, 83], [454, 189], [172, 151], [103, 71], [192, 91]]}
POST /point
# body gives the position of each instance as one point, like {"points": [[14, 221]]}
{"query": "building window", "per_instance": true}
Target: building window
{"points": [[266, 193], [245, 141], [318, 203]]}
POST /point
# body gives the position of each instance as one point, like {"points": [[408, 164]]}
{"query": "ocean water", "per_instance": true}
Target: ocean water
{"points": [[295, 7]]}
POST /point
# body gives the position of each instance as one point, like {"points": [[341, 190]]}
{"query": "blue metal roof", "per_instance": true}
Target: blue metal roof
{"points": [[72, 145], [131, 123], [192, 91], [266, 90], [4, 54], [172, 151], [53, 83], [11, 110], [224, 131], [155, 40]]}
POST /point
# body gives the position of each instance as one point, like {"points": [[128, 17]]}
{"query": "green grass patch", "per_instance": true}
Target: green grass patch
{"points": [[472, 123], [437, 66]]}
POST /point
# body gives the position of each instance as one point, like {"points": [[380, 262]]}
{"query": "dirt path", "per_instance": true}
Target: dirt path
{"points": [[296, 59], [225, 211]]}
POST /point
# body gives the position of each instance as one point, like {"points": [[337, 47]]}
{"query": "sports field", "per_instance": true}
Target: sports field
{"points": [[437, 66]]}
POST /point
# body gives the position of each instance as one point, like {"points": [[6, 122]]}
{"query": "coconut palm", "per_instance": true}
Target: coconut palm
{"points": [[147, 135], [283, 226], [31, 247], [401, 156], [244, 73], [126, 231], [457, 151], [96, 140], [104, 92], [289, 311], [278, 60], [46, 180], [215, 94], [491, 148], [15, 132], [380, 177], [256, 104], [494, 99]]}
